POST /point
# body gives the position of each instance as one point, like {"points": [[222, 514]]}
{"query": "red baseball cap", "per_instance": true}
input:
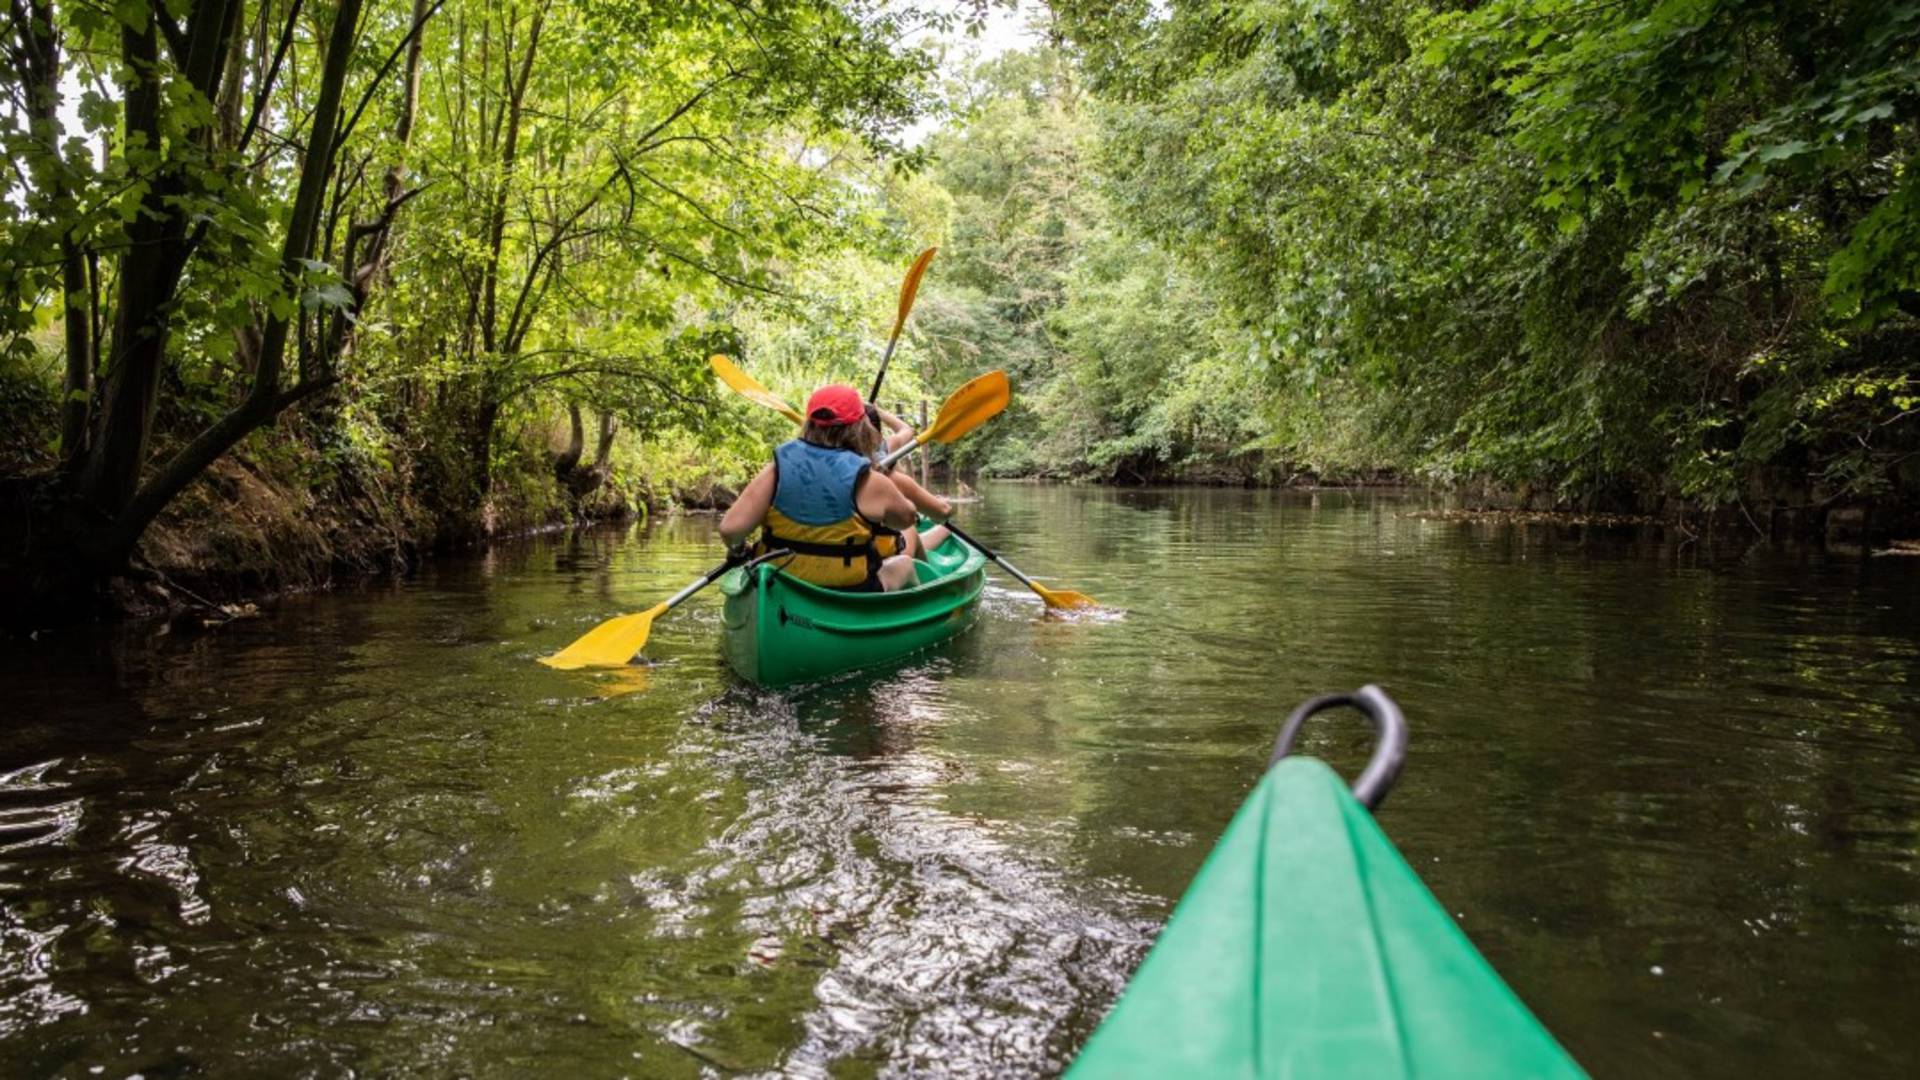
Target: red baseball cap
{"points": [[836, 406]]}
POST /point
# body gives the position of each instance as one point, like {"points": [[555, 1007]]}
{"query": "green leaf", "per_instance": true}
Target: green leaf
{"points": [[1785, 150], [131, 13], [331, 295]]}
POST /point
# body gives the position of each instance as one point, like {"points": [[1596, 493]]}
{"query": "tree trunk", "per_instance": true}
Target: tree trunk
{"points": [[480, 446], [497, 213], [603, 453], [369, 242], [484, 307], [39, 53], [149, 277], [76, 408], [580, 481], [157, 252], [265, 400], [233, 84], [568, 459]]}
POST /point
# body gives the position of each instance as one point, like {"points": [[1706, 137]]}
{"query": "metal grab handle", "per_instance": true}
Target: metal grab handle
{"points": [[1389, 753]]}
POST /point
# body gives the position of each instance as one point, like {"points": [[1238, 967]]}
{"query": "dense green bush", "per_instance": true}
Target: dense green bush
{"points": [[1611, 251]]}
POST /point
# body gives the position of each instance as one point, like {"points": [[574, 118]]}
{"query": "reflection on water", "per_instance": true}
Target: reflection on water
{"points": [[1673, 792]]}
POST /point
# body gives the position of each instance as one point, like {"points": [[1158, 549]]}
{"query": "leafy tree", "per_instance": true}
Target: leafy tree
{"points": [[432, 218], [1110, 339], [1617, 251]]}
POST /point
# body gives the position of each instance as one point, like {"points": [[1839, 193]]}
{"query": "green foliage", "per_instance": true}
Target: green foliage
{"points": [[1115, 349], [530, 205], [29, 413], [1608, 251], [1613, 251]]}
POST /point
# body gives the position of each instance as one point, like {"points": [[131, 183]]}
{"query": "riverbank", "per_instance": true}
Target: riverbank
{"points": [[1792, 513], [284, 517], [287, 521], [244, 536]]}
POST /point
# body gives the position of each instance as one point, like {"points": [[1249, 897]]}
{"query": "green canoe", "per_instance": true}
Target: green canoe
{"points": [[1306, 947], [779, 630]]}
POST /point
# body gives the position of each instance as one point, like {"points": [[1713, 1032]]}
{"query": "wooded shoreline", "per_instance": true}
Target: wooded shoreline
{"points": [[309, 287], [245, 540]]}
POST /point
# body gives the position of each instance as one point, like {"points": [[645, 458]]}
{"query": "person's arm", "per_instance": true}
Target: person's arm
{"points": [[880, 501], [899, 432], [923, 500], [747, 510]]}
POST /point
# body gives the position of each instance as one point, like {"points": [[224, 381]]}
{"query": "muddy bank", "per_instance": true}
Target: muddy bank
{"points": [[250, 530]]}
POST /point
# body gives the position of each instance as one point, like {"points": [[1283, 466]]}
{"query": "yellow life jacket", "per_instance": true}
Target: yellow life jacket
{"points": [[814, 516]]}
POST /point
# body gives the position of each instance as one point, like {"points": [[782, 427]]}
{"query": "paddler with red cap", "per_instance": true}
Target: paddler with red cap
{"points": [[822, 500]]}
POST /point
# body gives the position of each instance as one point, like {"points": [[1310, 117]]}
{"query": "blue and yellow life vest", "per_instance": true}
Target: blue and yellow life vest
{"points": [[814, 515]]}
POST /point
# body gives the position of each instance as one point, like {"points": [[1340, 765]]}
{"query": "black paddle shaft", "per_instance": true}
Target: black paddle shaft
{"points": [[885, 359], [989, 553], [956, 530]]}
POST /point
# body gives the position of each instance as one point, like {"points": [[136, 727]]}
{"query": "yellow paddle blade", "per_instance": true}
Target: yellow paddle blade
{"points": [[749, 387], [1065, 598], [975, 403], [611, 644], [911, 286]]}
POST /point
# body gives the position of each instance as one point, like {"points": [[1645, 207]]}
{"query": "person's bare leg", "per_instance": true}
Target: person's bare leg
{"points": [[932, 538], [896, 573], [910, 542]]}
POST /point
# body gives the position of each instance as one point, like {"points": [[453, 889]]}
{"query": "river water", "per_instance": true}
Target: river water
{"points": [[1671, 791]]}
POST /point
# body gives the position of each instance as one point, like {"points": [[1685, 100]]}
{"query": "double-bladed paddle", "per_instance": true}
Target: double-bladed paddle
{"points": [[1055, 598], [613, 643], [749, 387], [982, 392], [978, 400], [908, 290]]}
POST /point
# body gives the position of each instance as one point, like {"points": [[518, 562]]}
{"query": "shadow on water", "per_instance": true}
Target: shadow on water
{"points": [[1672, 790]]}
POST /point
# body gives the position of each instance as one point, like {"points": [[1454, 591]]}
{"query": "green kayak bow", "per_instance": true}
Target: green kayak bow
{"points": [[1306, 947]]}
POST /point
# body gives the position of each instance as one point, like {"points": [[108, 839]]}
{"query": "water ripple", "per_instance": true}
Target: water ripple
{"points": [[367, 834]]}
